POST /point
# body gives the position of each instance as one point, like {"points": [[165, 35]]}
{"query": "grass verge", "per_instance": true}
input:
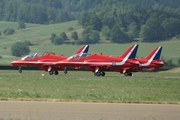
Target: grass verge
{"points": [[83, 86]]}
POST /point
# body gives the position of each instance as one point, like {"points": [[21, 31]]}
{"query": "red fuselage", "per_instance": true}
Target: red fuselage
{"points": [[35, 60], [145, 64], [103, 62]]}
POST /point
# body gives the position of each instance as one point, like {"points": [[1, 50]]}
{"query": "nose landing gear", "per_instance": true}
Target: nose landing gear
{"points": [[20, 70]]}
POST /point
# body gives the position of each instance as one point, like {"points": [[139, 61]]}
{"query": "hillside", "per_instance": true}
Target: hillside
{"points": [[40, 34]]}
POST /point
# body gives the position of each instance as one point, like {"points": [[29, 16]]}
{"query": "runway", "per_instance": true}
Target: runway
{"points": [[31, 110]]}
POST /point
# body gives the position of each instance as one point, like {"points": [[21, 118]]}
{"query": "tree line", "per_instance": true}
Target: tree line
{"points": [[121, 23], [56, 11], [34, 11]]}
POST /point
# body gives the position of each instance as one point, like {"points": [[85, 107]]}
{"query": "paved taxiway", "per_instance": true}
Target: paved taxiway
{"points": [[87, 111]]}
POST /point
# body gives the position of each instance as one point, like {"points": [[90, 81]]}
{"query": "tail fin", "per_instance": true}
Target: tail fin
{"points": [[130, 53], [83, 49], [155, 54]]}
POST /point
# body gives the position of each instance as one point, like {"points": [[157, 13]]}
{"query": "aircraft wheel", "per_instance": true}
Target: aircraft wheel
{"points": [[126, 74], [130, 74], [51, 72], [103, 73], [20, 71], [56, 72], [98, 74]]}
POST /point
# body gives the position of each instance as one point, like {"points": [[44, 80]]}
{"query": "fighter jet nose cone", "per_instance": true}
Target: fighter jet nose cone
{"points": [[15, 63]]}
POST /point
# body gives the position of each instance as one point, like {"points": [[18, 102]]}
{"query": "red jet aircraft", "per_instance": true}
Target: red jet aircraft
{"points": [[46, 61], [150, 62], [98, 63]]}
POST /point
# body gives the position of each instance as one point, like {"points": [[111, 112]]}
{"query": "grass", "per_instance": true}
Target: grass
{"points": [[40, 34], [83, 86], [37, 34]]}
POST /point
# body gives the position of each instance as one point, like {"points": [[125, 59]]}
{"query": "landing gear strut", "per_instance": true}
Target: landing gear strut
{"points": [[20, 70], [65, 71]]}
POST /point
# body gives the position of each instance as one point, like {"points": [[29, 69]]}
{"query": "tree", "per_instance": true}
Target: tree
{"points": [[84, 19], [152, 31], [133, 31], [94, 36], [9, 31], [90, 36], [118, 36], [58, 41], [90, 19], [179, 61], [95, 22], [21, 25], [53, 36], [172, 26], [20, 48], [64, 36], [106, 32], [28, 43], [74, 35]]}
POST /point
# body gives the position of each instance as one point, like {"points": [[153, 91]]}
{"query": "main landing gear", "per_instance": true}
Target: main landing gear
{"points": [[53, 72], [128, 74], [99, 73]]}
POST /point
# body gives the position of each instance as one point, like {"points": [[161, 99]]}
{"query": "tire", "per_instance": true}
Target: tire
{"points": [[51, 72], [20, 71], [56, 72], [130, 74], [125, 74], [103, 73], [98, 73]]}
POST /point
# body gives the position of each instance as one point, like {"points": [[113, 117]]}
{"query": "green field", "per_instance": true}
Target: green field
{"points": [[84, 86], [40, 34]]}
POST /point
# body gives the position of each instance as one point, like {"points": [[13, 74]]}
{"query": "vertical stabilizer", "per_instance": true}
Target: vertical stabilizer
{"points": [[154, 54], [83, 49], [130, 53]]}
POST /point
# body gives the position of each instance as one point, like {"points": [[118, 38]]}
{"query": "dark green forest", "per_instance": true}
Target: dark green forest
{"points": [[123, 23], [55, 11], [119, 21]]}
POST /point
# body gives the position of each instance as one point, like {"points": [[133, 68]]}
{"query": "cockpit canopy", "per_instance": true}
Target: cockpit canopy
{"points": [[33, 55], [81, 55]]}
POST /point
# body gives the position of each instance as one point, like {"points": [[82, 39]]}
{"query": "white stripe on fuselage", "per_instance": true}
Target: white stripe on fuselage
{"points": [[29, 62], [104, 63], [150, 60]]}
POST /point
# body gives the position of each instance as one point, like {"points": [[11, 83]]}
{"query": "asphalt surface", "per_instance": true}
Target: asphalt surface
{"points": [[34, 110]]}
